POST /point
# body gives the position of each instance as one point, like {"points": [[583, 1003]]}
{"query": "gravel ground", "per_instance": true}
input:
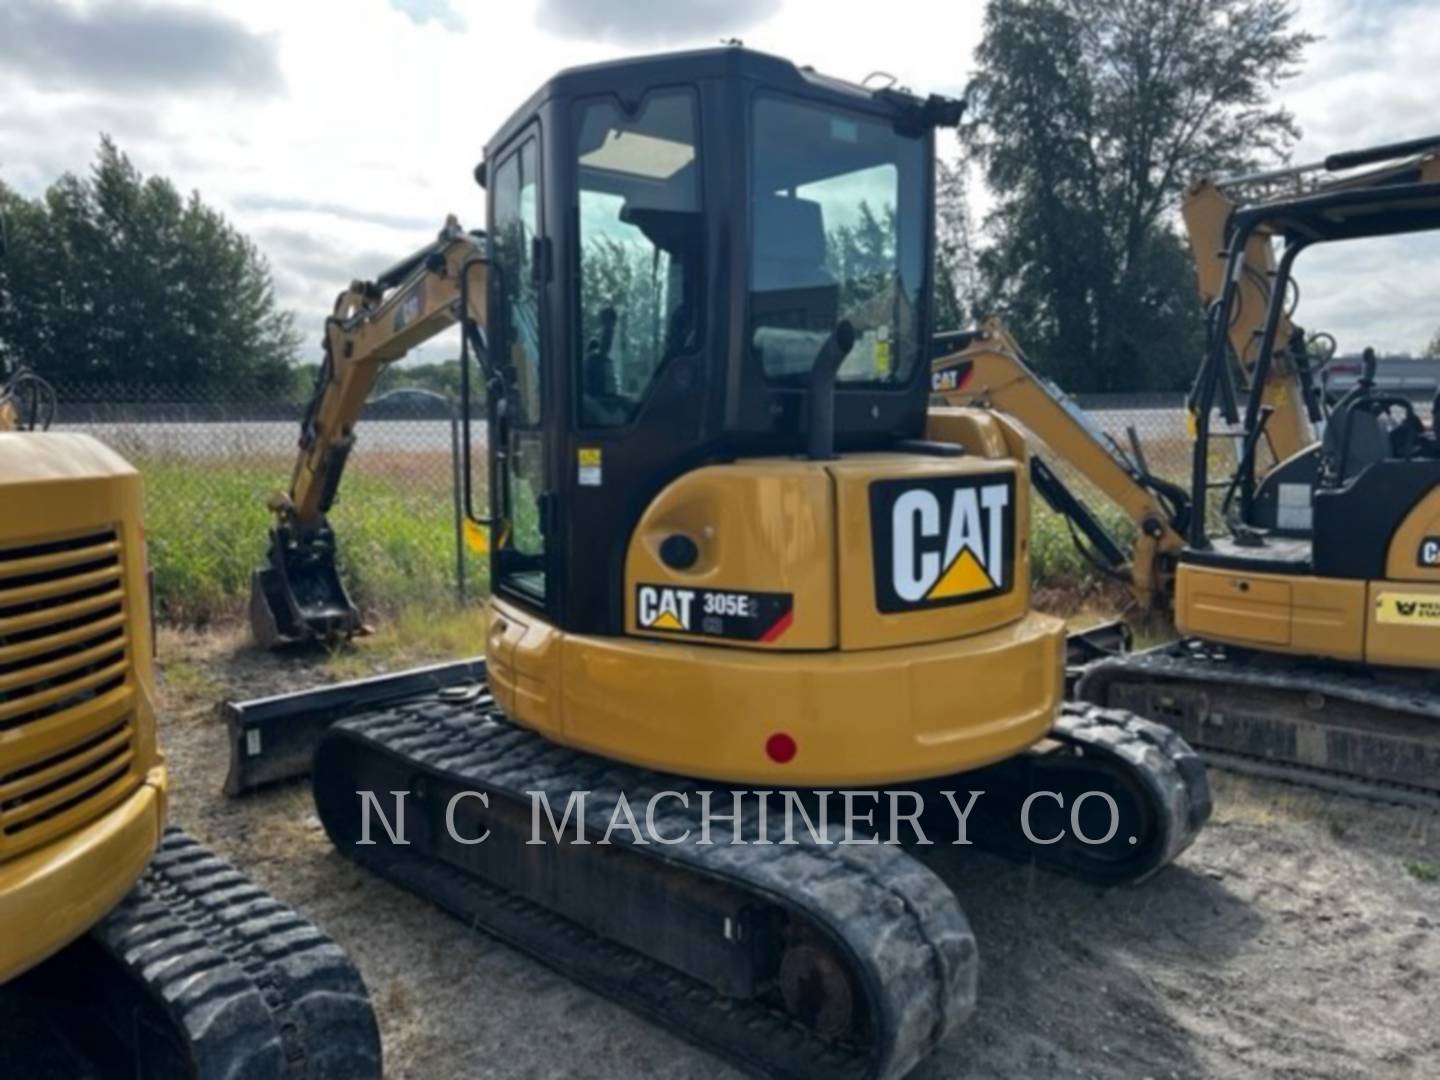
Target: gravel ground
{"points": [[1297, 938]]}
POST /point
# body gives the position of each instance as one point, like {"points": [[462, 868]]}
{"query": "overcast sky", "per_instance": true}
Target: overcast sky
{"points": [[339, 133]]}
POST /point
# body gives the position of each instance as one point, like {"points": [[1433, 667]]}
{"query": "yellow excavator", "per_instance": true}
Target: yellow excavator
{"points": [[740, 569], [1310, 628], [126, 948]]}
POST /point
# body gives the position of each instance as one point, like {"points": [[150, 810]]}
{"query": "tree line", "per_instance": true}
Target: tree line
{"points": [[118, 278], [1087, 119]]}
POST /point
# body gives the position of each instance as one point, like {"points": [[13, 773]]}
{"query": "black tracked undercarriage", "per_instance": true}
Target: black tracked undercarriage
{"points": [[803, 958], [1373, 733], [197, 975]]}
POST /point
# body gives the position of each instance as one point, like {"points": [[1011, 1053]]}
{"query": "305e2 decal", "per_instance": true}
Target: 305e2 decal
{"points": [[947, 540], [722, 613]]}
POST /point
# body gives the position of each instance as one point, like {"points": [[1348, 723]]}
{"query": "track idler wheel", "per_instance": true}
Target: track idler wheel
{"points": [[1109, 797], [816, 990]]}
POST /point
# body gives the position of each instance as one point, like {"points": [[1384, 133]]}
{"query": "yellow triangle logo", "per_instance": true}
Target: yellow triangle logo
{"points": [[666, 621], [965, 575]]}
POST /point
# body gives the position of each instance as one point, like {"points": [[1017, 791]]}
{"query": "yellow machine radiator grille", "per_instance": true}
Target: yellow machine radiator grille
{"points": [[67, 740]]}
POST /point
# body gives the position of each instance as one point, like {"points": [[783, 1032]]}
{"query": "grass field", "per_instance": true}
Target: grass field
{"points": [[207, 524]]}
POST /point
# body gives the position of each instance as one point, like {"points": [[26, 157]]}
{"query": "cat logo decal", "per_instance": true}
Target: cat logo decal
{"points": [[942, 541]]}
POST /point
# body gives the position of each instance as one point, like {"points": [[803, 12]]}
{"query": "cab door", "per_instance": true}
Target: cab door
{"points": [[522, 484]]}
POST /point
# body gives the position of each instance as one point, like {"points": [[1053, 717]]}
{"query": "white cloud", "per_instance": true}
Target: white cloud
{"points": [[386, 106], [423, 11], [650, 22], [134, 47]]}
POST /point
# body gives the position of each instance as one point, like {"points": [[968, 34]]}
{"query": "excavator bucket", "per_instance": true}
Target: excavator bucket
{"points": [[297, 596]]}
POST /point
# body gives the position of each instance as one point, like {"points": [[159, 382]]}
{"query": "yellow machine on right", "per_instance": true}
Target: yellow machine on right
{"points": [[1306, 593]]}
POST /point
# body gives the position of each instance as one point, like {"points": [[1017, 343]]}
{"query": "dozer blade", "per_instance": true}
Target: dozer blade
{"points": [[197, 973], [297, 596], [274, 738]]}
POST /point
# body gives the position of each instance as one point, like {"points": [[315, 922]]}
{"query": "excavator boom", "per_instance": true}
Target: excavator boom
{"points": [[298, 594], [1287, 387], [988, 370]]}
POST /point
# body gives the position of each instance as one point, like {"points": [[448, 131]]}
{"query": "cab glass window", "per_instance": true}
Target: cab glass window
{"points": [[640, 243], [516, 224], [838, 232], [519, 560]]}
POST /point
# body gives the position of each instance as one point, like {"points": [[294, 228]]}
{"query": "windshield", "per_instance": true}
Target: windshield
{"points": [[838, 232]]}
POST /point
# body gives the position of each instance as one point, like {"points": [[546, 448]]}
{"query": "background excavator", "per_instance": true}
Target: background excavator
{"points": [[730, 545], [1310, 631], [126, 948]]}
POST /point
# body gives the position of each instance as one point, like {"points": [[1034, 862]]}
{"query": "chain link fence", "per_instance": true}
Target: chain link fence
{"points": [[212, 459]]}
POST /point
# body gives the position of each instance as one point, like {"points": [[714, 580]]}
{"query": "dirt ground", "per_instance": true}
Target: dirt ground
{"points": [[1299, 937]]}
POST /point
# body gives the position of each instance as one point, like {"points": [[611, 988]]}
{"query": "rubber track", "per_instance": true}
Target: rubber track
{"points": [[902, 927], [1182, 664], [1172, 771], [251, 989]]}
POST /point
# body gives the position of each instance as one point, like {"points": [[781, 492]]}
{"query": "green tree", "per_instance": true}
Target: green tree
{"points": [[631, 279], [862, 256], [117, 278], [955, 271], [1433, 349], [1088, 118]]}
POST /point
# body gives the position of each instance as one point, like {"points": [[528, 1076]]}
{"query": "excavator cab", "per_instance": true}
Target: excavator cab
{"points": [[673, 243], [712, 478], [1327, 551]]}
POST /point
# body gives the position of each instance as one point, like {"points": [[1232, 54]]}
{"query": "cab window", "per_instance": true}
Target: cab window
{"points": [[520, 547], [640, 237], [838, 224], [516, 226]]}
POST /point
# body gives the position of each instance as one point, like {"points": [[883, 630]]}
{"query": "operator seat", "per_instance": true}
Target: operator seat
{"points": [[1354, 439], [1434, 435], [793, 289]]}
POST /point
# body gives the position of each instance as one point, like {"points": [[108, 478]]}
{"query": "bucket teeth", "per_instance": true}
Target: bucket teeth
{"points": [[297, 596]]}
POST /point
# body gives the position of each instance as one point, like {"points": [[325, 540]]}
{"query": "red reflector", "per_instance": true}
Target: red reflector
{"points": [[780, 747]]}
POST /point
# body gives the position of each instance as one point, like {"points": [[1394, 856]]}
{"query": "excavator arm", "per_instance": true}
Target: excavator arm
{"points": [[988, 370], [298, 595], [1288, 391]]}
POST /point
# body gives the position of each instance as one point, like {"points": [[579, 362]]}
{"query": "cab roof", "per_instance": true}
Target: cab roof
{"points": [[729, 61]]}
